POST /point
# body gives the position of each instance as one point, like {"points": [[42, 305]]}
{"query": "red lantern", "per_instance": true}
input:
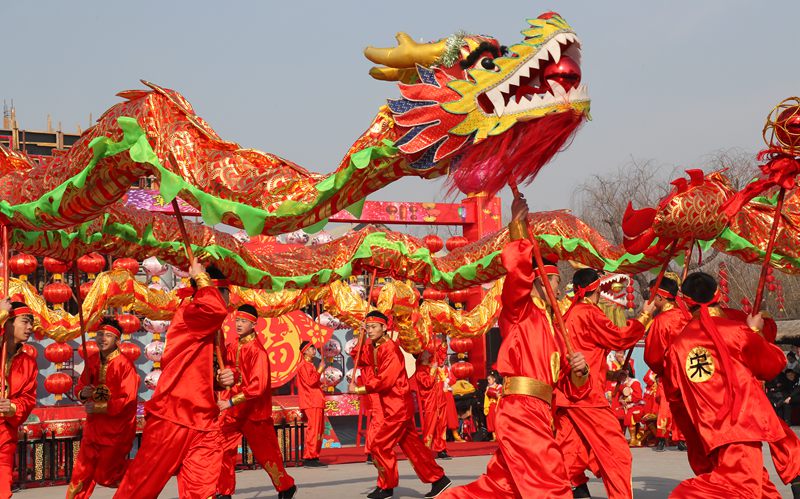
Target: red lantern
{"points": [[22, 265], [459, 295], [433, 242], [747, 307], [772, 287], [55, 267], [461, 345], [128, 264], [58, 384], [91, 348], [57, 293], [84, 289], [91, 264], [462, 370], [130, 350], [129, 324], [456, 242], [58, 353], [433, 294]]}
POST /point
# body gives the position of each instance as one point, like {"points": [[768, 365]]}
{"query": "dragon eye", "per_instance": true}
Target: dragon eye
{"points": [[488, 64]]}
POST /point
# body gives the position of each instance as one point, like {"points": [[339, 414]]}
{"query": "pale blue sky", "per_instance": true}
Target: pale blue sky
{"points": [[672, 81]]}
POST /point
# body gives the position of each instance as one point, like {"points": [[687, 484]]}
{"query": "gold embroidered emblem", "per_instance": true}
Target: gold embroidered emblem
{"points": [[273, 472], [700, 365]]}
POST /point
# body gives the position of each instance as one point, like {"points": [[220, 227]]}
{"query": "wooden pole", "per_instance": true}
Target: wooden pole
{"points": [[77, 292], [4, 349], [360, 343], [768, 254]]}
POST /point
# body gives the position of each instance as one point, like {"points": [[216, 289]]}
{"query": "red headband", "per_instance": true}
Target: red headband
{"points": [[692, 303], [665, 294], [221, 283], [306, 347], [16, 312], [548, 270], [111, 329], [589, 288], [246, 315], [377, 320]]}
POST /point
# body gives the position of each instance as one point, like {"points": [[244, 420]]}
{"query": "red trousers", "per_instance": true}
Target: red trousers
{"points": [[786, 455], [527, 462], [262, 440], [403, 433], [97, 464], [374, 420], [315, 426], [451, 414], [168, 449], [434, 426], [738, 472], [8, 448], [583, 432]]}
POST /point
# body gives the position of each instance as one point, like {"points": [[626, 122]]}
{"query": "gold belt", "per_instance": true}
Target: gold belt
{"points": [[522, 385]]}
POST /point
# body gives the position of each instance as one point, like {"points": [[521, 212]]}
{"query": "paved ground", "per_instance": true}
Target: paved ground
{"points": [[654, 475]]}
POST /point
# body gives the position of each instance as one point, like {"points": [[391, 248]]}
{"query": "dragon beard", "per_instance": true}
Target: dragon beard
{"points": [[519, 153]]}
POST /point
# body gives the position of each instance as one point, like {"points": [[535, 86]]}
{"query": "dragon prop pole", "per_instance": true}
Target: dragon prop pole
{"points": [[190, 255], [551, 296], [687, 259], [768, 254], [4, 350], [80, 314], [360, 344]]}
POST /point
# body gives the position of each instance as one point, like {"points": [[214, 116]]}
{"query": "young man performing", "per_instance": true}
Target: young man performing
{"points": [[182, 430], [108, 388], [715, 367], [247, 410], [527, 463], [20, 395], [384, 372], [312, 403], [587, 428]]}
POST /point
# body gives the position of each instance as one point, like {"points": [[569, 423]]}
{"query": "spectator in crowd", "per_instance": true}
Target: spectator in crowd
{"points": [[791, 362]]}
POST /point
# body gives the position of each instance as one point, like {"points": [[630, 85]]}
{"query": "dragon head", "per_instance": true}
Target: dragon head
{"points": [[478, 103]]}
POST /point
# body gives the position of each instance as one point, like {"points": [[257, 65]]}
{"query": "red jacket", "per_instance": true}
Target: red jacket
{"points": [[251, 394], [530, 346], [309, 386], [384, 373], [665, 326], [116, 424], [185, 390], [21, 386], [595, 335], [431, 389], [697, 379]]}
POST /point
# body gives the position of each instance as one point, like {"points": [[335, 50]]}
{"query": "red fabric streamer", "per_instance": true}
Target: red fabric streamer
{"points": [[779, 171], [518, 153]]}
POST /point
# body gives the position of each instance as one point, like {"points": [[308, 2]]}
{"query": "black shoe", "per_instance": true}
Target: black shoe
{"points": [[682, 445], [661, 446], [228, 496], [313, 463], [796, 488], [288, 493], [581, 491], [369, 458], [438, 487], [443, 455], [380, 493]]}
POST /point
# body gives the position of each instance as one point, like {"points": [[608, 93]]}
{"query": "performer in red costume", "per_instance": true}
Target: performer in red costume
{"points": [[430, 387], [20, 396], [628, 405], [714, 366], [247, 410], [527, 463], [312, 403], [669, 320], [587, 427], [182, 430], [384, 373], [108, 388]]}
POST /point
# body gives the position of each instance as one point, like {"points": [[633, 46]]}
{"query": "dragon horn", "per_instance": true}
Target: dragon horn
{"points": [[407, 54]]}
